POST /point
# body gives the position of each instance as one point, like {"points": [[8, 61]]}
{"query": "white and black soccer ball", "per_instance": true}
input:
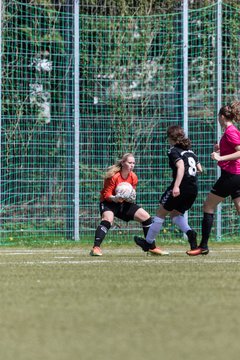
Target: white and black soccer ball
{"points": [[124, 190]]}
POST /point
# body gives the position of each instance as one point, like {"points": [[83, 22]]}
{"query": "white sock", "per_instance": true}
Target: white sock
{"points": [[154, 229], [181, 222]]}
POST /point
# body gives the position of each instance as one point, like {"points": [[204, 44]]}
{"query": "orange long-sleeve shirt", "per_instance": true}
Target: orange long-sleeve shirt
{"points": [[110, 184]]}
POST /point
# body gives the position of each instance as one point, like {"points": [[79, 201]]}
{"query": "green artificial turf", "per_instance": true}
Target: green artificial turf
{"points": [[60, 303]]}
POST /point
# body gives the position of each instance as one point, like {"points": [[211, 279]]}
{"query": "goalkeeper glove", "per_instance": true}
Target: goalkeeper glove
{"points": [[116, 198], [132, 196]]}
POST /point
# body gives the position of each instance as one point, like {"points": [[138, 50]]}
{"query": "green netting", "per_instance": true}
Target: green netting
{"points": [[37, 127], [131, 90]]}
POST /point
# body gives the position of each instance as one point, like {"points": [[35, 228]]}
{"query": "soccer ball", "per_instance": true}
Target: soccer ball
{"points": [[124, 189]]}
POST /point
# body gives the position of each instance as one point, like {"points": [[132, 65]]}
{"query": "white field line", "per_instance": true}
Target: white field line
{"points": [[70, 252], [81, 257], [104, 262], [156, 260]]}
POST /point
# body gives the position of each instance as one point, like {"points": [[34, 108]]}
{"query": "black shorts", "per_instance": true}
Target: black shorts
{"points": [[124, 211], [227, 185], [181, 203]]}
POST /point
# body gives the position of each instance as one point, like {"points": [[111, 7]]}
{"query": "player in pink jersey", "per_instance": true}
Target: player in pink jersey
{"points": [[227, 154]]}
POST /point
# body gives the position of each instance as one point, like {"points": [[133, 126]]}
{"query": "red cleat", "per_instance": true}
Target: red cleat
{"points": [[198, 251]]}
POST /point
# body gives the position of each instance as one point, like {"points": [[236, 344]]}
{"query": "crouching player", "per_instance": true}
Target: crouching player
{"points": [[112, 204]]}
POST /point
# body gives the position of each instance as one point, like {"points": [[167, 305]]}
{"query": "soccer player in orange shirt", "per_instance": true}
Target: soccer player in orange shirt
{"points": [[112, 204]]}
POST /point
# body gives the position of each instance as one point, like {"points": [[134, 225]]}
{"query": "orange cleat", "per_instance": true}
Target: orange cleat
{"points": [[96, 251], [158, 251], [198, 251]]}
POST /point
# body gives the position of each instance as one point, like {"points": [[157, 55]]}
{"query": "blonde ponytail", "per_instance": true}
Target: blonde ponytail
{"points": [[117, 167]]}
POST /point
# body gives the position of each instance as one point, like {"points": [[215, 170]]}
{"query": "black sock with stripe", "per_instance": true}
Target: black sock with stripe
{"points": [[146, 225], [101, 232]]}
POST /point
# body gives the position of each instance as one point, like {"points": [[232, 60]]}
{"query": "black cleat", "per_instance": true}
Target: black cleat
{"points": [[144, 245], [205, 251]]}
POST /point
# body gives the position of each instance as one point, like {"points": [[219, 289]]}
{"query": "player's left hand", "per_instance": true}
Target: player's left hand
{"points": [[123, 195], [132, 196], [215, 156], [176, 191]]}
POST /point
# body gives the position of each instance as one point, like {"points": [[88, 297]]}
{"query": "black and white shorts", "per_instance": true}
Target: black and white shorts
{"points": [[124, 211], [227, 185], [181, 203]]}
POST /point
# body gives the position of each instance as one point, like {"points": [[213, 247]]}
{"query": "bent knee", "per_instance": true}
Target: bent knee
{"points": [[207, 208], [141, 215], [108, 217]]}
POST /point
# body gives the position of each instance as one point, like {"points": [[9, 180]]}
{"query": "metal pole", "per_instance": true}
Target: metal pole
{"points": [[69, 122], [185, 66], [1, 12], [219, 100], [76, 119], [185, 71]]}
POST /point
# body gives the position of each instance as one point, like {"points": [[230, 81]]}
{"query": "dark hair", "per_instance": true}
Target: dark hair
{"points": [[231, 111], [177, 134]]}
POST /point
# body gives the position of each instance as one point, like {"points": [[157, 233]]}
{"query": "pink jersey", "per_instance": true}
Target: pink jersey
{"points": [[228, 142]]}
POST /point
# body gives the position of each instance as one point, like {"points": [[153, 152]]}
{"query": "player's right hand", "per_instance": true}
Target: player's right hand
{"points": [[117, 199]]}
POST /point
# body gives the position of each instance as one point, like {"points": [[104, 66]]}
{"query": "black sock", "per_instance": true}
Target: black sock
{"points": [[207, 222], [152, 245], [192, 239], [146, 225], [101, 232]]}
